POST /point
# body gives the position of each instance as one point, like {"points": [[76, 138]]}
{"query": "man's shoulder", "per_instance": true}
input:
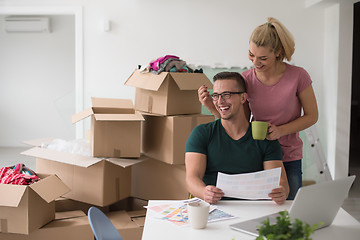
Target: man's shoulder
{"points": [[209, 125], [205, 129]]}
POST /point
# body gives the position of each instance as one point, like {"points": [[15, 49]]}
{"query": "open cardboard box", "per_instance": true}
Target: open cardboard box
{"points": [[63, 204], [98, 181], [115, 127], [24, 208], [168, 93], [67, 225], [164, 137], [156, 180], [129, 224], [75, 225]]}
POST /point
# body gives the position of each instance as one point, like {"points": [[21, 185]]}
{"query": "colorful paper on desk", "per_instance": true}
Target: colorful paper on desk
{"points": [[177, 212], [219, 215], [252, 186]]}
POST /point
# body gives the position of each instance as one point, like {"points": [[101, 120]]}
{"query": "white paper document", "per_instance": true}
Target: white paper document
{"points": [[255, 185]]}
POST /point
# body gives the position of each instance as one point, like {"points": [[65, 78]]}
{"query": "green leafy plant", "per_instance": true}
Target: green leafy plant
{"points": [[284, 229]]}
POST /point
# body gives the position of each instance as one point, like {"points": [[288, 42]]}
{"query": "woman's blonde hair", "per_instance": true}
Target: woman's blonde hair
{"points": [[274, 34]]}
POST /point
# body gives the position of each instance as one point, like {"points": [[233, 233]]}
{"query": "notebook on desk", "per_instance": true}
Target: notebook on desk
{"points": [[312, 204]]}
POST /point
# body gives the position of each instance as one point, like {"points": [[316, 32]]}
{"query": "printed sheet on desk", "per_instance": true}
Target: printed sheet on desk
{"points": [[177, 212]]}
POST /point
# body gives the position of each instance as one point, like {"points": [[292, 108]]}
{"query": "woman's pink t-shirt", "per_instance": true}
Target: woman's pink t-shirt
{"points": [[279, 104]]}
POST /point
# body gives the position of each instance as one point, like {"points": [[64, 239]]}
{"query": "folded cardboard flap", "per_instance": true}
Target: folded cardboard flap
{"points": [[127, 162], [63, 157], [185, 81], [147, 81], [106, 106], [191, 81], [119, 117], [75, 159], [126, 105], [11, 194], [49, 188], [81, 115], [78, 160]]}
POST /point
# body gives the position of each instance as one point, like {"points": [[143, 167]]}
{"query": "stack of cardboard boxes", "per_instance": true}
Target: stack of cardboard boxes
{"points": [[117, 178], [169, 103]]}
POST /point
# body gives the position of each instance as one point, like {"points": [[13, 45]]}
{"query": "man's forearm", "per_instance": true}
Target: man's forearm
{"points": [[195, 186]]}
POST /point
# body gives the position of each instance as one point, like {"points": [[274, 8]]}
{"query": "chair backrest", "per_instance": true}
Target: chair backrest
{"points": [[101, 225]]}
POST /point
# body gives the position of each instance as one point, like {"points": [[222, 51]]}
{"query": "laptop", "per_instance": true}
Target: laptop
{"points": [[312, 204]]}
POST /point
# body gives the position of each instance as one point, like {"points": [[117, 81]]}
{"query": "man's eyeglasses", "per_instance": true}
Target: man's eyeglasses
{"points": [[224, 95]]}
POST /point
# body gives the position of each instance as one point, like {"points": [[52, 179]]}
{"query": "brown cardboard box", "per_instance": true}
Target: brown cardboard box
{"points": [[24, 208], [164, 138], [66, 204], [97, 181], [115, 128], [129, 224], [168, 93], [75, 225], [129, 204], [152, 179], [67, 225]]}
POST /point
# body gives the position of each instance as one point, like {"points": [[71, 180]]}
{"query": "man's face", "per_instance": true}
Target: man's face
{"points": [[228, 108]]}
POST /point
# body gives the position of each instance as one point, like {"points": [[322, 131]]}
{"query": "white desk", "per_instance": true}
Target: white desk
{"points": [[344, 226]]}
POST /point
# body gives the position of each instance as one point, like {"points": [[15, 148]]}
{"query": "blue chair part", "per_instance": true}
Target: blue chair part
{"points": [[101, 225]]}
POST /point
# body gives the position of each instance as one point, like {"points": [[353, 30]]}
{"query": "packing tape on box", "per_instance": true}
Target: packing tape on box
{"points": [[3, 226], [117, 152], [117, 185], [150, 104]]}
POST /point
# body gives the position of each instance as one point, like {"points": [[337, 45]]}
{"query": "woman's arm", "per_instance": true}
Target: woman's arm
{"points": [[310, 117], [205, 99]]}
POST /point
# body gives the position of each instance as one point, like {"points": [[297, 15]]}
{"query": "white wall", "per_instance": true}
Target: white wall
{"points": [[204, 32], [37, 83]]}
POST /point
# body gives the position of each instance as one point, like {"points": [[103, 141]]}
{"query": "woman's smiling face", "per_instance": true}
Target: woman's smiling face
{"points": [[263, 58]]}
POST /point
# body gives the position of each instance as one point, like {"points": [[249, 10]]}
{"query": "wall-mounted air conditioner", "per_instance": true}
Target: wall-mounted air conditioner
{"points": [[30, 24]]}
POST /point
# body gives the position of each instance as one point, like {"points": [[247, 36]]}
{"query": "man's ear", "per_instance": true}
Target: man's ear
{"points": [[244, 97]]}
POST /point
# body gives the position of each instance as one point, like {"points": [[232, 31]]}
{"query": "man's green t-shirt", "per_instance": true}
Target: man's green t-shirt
{"points": [[227, 155]]}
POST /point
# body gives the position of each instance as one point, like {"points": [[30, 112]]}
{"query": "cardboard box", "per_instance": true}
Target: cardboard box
{"points": [[67, 225], [129, 204], [97, 181], [66, 204], [155, 180], [24, 208], [115, 128], [129, 224], [75, 225], [168, 93], [164, 137]]}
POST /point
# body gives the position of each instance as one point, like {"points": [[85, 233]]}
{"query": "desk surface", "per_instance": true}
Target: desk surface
{"points": [[343, 227]]}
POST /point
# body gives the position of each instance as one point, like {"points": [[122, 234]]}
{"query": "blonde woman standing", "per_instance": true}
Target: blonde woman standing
{"points": [[277, 92]]}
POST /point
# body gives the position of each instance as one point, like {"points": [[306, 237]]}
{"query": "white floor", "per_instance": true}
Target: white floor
{"points": [[11, 155]]}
